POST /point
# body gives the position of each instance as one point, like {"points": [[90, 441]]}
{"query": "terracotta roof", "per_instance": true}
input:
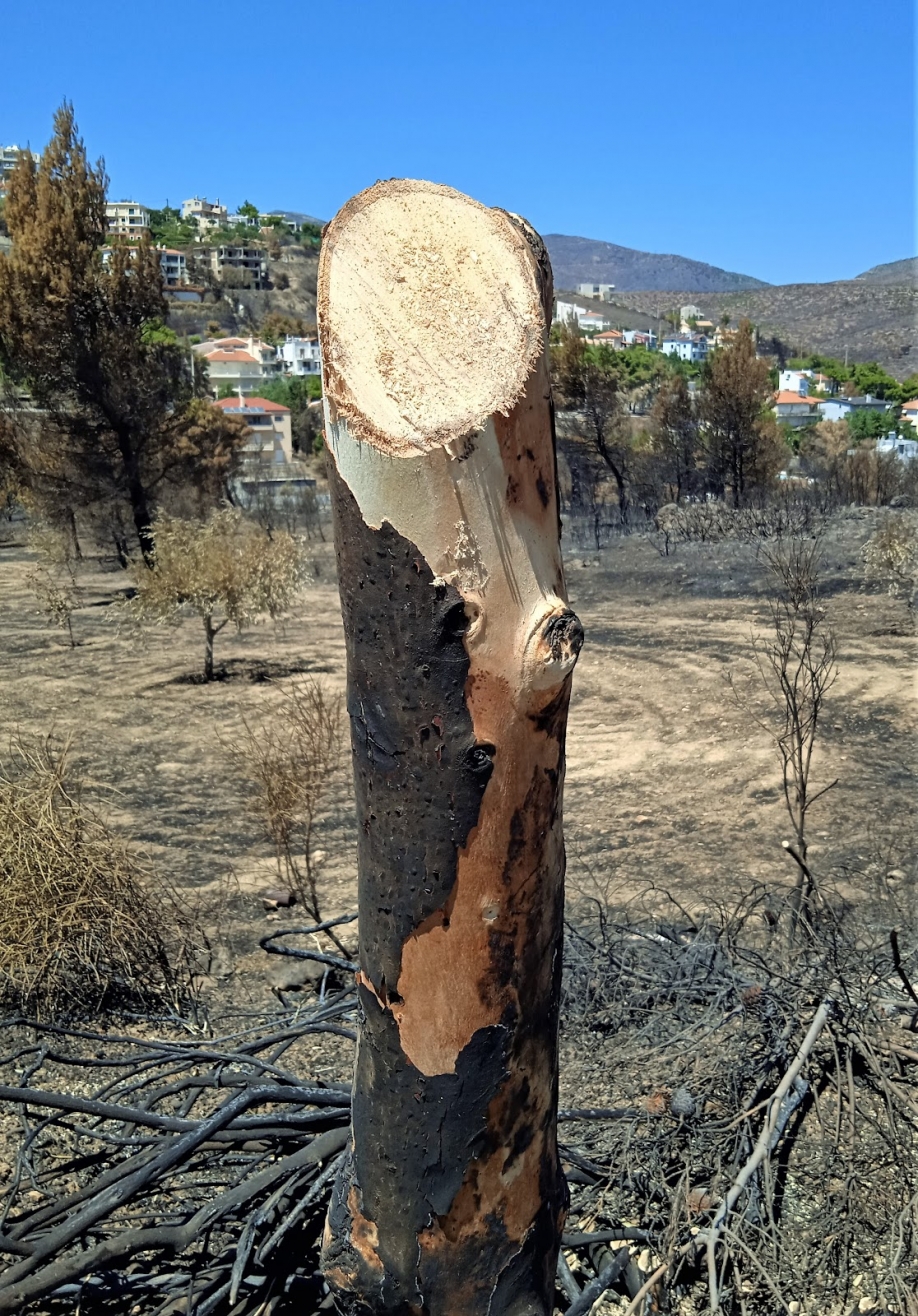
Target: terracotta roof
{"points": [[222, 354], [785, 397], [911, 405], [608, 333], [250, 404]]}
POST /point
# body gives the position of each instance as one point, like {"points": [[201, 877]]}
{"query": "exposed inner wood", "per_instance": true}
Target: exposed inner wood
{"points": [[429, 314]]}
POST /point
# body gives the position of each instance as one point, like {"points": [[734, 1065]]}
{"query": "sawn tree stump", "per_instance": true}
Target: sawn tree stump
{"points": [[433, 314]]}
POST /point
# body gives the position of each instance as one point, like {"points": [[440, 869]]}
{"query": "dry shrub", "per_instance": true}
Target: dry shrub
{"points": [[702, 1016], [891, 554], [53, 579], [289, 762], [225, 569], [83, 923]]}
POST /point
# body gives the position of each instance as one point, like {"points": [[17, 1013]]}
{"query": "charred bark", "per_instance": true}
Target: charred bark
{"points": [[460, 648]]}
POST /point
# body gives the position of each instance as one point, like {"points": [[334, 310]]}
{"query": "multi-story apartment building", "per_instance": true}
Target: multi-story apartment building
{"points": [[171, 262], [208, 214], [250, 262], [174, 267], [9, 156], [127, 218], [300, 356]]}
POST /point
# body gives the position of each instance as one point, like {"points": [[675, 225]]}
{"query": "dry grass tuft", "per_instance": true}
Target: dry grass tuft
{"points": [[83, 922]]}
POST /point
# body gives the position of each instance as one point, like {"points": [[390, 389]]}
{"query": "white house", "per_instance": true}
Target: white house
{"points": [[686, 347], [905, 449], [841, 408], [794, 408], [171, 262], [300, 356], [910, 412], [239, 363], [208, 214], [127, 218], [600, 291], [9, 155], [271, 442], [174, 267], [640, 338], [795, 381], [592, 322], [585, 317]]}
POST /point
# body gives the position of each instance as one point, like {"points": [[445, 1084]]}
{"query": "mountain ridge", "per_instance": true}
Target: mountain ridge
{"points": [[894, 271], [587, 260]]}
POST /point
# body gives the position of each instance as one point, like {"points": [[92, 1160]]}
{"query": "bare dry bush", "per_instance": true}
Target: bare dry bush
{"points": [[83, 922], [891, 554], [709, 521], [289, 762], [795, 668], [225, 569], [53, 580], [758, 1141]]}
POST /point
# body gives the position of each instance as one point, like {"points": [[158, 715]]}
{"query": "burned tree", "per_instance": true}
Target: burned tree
{"points": [[460, 646]]}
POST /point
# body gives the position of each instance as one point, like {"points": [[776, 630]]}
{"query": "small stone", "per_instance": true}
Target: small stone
{"points": [[794, 1308], [641, 820], [293, 975], [278, 899], [682, 1103], [896, 875], [866, 1304]]}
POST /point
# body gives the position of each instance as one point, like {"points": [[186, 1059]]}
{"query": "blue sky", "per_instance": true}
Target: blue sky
{"points": [[777, 140]]}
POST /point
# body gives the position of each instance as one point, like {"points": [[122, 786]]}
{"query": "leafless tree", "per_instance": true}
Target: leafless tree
{"points": [[797, 665]]}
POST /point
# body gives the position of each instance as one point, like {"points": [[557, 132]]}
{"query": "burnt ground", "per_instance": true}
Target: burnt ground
{"points": [[671, 784], [673, 805]]}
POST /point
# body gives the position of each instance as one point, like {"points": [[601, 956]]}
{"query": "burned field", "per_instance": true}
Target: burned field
{"points": [[700, 1043]]}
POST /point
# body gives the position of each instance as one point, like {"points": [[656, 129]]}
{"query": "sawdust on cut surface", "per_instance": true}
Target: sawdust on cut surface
{"points": [[429, 313]]}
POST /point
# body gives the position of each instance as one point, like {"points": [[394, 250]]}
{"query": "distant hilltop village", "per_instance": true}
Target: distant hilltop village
{"points": [[207, 253], [204, 236]]}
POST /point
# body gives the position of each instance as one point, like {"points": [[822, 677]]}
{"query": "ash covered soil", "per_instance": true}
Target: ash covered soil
{"points": [[672, 785], [674, 817]]}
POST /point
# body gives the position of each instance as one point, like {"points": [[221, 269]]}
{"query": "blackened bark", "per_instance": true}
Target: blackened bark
{"points": [[402, 1235], [141, 507], [419, 775]]}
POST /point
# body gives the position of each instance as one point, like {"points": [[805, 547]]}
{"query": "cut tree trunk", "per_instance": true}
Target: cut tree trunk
{"points": [[433, 316]]}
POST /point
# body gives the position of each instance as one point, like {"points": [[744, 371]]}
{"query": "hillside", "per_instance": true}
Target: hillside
{"points": [[895, 271], [293, 276], [870, 321], [583, 260]]}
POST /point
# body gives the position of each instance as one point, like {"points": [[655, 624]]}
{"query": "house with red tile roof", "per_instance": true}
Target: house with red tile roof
{"points": [[271, 441], [239, 363], [910, 412], [795, 409]]}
